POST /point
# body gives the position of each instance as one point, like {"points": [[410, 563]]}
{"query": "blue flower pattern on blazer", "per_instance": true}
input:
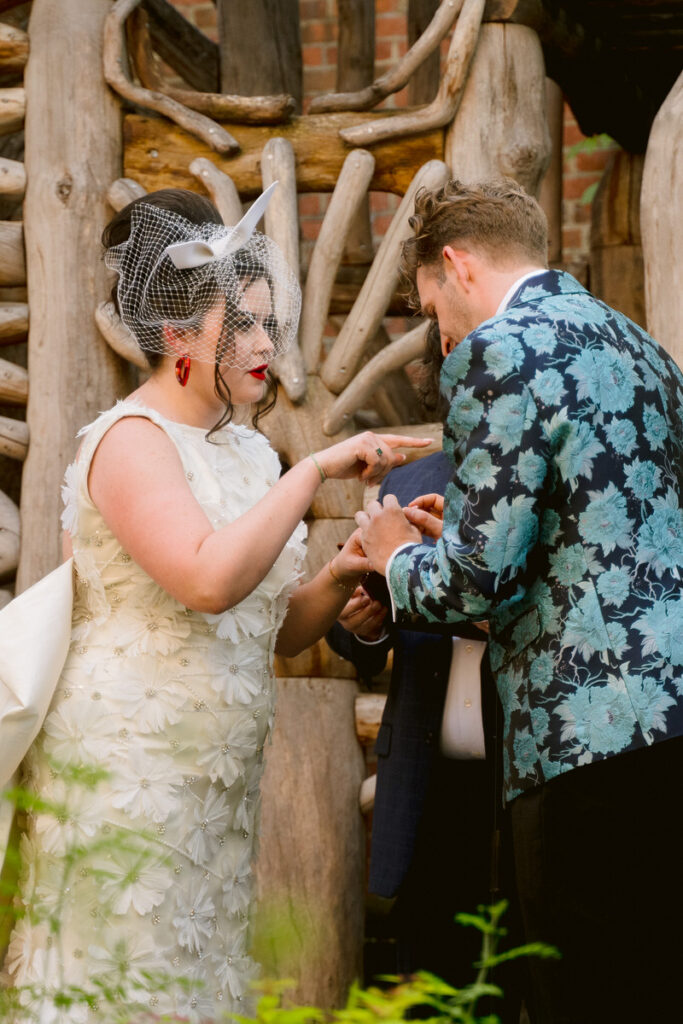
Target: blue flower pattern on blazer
{"points": [[563, 526]]}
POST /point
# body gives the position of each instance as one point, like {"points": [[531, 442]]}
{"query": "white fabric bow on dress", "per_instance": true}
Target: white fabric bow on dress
{"points": [[186, 255]]}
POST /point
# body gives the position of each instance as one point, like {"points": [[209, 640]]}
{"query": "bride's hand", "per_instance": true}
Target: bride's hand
{"points": [[366, 456], [350, 564], [426, 512], [432, 503]]}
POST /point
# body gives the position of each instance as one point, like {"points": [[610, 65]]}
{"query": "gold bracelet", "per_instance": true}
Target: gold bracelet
{"points": [[338, 582], [323, 475]]}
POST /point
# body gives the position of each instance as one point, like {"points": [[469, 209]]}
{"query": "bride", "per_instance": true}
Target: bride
{"points": [[188, 545]]}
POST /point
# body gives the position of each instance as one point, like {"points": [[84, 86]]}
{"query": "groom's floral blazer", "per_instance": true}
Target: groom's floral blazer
{"points": [[563, 526]]}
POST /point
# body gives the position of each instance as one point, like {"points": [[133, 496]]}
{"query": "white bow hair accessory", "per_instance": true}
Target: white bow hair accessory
{"points": [[186, 255]]}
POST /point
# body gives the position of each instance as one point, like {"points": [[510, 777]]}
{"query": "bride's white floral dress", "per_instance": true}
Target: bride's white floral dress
{"points": [[146, 872]]}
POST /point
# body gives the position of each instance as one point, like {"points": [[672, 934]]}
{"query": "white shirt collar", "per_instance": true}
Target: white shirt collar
{"points": [[513, 287]]}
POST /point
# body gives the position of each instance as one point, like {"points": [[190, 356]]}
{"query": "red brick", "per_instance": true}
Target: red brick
{"points": [[572, 133], [310, 229], [390, 25], [319, 80], [309, 205], [575, 186], [310, 9], [595, 161], [571, 239], [318, 32], [314, 56], [383, 50]]}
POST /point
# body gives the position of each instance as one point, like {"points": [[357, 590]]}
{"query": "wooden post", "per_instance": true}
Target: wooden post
{"points": [[616, 255], [500, 127], [260, 47], [661, 212], [73, 143], [424, 84], [550, 196]]}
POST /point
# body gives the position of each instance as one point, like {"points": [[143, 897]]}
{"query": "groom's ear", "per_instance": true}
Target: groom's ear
{"points": [[458, 266]]}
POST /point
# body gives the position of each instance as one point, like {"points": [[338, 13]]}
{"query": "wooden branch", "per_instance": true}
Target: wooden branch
{"points": [[220, 187], [364, 319], [12, 259], [13, 322], [282, 225], [12, 178], [13, 383], [124, 191], [114, 60], [188, 51], [366, 796], [349, 192], [225, 106], [13, 438], [373, 375], [12, 109], [9, 536], [117, 335], [399, 75], [369, 708], [442, 110], [158, 154], [13, 47]]}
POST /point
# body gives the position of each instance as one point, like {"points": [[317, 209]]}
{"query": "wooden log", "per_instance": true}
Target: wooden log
{"points": [[114, 62], [13, 322], [13, 438], [661, 213], [394, 398], [616, 255], [369, 377], [13, 383], [14, 47], [117, 335], [441, 110], [9, 536], [73, 152], [294, 431], [424, 82], [550, 194], [260, 48], [369, 708], [282, 225], [12, 179], [220, 187], [350, 190], [224, 106], [508, 137], [366, 796], [311, 866], [12, 260], [124, 191], [400, 74], [370, 307], [12, 109], [188, 51], [158, 154], [320, 659]]}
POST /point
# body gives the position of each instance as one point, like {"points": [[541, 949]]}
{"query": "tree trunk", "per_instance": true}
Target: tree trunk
{"points": [[616, 256], [661, 212], [72, 154], [500, 127], [260, 47]]}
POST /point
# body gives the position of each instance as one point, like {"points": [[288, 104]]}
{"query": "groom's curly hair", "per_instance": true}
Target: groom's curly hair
{"points": [[496, 219]]}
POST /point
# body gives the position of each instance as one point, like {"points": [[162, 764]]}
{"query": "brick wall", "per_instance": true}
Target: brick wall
{"points": [[319, 53]]}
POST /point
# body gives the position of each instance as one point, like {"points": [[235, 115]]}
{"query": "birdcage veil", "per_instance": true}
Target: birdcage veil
{"points": [[205, 290]]}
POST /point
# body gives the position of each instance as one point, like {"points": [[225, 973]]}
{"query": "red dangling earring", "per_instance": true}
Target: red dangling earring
{"points": [[182, 370]]}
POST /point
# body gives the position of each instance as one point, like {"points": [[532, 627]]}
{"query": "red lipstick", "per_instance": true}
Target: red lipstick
{"points": [[259, 372]]}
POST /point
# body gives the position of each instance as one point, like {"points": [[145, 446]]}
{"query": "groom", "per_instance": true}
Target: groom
{"points": [[563, 525]]}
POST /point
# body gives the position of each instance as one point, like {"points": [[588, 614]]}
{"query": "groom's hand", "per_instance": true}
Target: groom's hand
{"points": [[383, 528]]}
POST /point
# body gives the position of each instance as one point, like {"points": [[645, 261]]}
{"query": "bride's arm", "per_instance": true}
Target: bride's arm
{"points": [[137, 482], [315, 606]]}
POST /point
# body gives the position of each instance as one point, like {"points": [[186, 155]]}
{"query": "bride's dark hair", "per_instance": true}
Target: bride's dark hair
{"points": [[198, 210]]}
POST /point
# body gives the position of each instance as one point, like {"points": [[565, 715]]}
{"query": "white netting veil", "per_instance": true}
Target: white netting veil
{"points": [[219, 295]]}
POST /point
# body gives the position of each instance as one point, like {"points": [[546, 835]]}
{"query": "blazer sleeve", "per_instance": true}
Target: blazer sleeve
{"points": [[492, 513], [369, 659]]}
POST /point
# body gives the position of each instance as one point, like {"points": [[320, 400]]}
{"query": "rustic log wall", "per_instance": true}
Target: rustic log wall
{"points": [[73, 152]]}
